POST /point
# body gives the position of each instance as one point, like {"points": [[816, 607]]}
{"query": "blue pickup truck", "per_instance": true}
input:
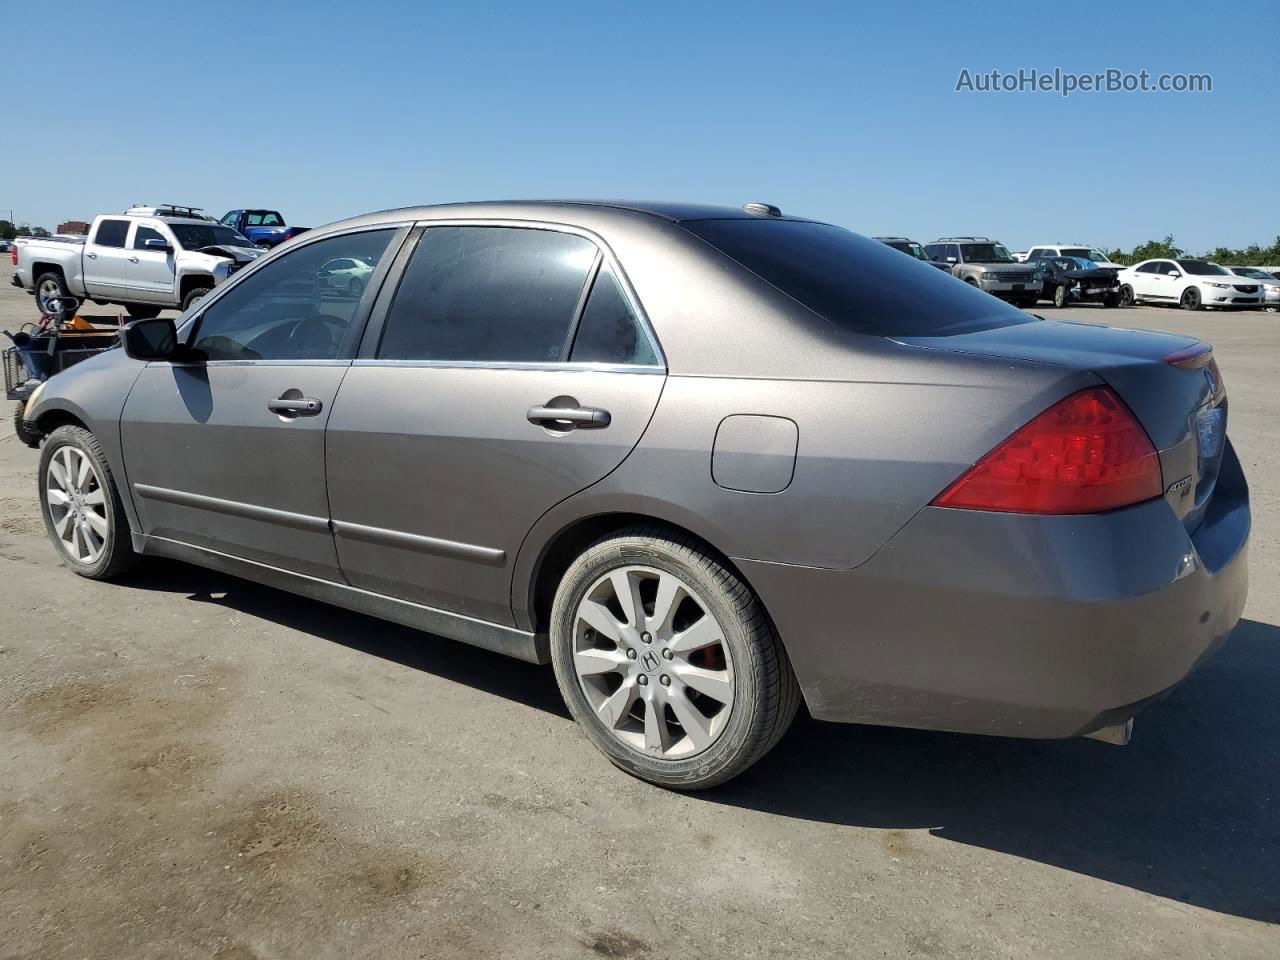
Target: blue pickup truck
{"points": [[265, 228]]}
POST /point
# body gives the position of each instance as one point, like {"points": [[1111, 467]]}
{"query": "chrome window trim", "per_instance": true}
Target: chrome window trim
{"points": [[554, 226], [561, 365], [337, 362]]}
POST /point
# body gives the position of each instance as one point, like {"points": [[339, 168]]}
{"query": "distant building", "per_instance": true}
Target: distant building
{"points": [[73, 226]]}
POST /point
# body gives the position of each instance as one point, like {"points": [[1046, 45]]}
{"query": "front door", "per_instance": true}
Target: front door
{"points": [[106, 258], [226, 451], [151, 272], [511, 371]]}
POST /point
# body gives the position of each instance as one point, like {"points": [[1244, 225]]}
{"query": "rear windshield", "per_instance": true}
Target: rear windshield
{"points": [[860, 285]]}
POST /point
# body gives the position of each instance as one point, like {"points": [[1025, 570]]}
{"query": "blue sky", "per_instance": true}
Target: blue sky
{"points": [[838, 111]]}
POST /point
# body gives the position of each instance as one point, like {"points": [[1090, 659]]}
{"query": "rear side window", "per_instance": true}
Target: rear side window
{"points": [[609, 331], [857, 284], [488, 294], [111, 233]]}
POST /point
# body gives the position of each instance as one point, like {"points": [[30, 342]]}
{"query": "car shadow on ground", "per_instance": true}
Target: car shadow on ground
{"points": [[1188, 810], [526, 683]]}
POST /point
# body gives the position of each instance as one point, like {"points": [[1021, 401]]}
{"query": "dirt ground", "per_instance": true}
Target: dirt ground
{"points": [[195, 766]]}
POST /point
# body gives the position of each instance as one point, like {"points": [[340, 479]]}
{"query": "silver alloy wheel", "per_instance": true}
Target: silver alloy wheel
{"points": [[77, 505], [653, 663], [45, 293]]}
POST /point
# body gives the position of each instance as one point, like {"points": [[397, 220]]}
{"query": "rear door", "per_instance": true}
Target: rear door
{"points": [[106, 258], [510, 369]]}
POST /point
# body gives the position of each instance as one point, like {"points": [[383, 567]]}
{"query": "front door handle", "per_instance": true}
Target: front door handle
{"points": [[92, 256], [133, 259], [569, 417], [298, 407]]}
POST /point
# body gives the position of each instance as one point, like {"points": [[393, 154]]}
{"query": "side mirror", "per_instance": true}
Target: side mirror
{"points": [[160, 246], [1174, 275], [154, 339]]}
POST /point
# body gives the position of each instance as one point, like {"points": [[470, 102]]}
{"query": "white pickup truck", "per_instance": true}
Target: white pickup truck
{"points": [[147, 259]]}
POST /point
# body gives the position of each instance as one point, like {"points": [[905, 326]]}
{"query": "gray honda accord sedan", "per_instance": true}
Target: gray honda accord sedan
{"points": [[706, 462]]}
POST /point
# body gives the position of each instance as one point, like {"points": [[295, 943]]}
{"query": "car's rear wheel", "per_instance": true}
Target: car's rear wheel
{"points": [[356, 287], [81, 506], [1190, 299], [668, 661], [1060, 295], [49, 286], [1126, 296]]}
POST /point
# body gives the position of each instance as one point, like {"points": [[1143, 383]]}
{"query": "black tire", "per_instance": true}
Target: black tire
{"points": [[355, 288], [1111, 300], [193, 295], [117, 556], [1127, 299], [1060, 295], [26, 433], [766, 692], [140, 311], [49, 285], [1190, 299]]}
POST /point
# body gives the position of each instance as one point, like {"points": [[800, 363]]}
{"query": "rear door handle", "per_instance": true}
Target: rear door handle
{"points": [[133, 259], [92, 256], [584, 418], [300, 407]]}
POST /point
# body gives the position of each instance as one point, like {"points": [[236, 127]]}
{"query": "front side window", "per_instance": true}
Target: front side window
{"points": [[488, 294], [143, 234], [111, 233], [288, 310], [609, 331]]}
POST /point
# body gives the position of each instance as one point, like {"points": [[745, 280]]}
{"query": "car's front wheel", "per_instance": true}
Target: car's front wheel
{"points": [[194, 296], [1127, 298], [668, 661], [1190, 298], [81, 505], [1060, 295], [26, 432]]}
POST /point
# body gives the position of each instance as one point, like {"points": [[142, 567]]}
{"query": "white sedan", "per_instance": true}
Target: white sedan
{"points": [[1269, 282], [347, 275], [1192, 284]]}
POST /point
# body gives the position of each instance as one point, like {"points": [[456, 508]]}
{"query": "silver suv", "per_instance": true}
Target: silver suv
{"points": [[988, 265]]}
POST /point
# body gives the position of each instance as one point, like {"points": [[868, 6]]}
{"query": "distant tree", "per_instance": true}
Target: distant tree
{"points": [[40, 232], [7, 230]]}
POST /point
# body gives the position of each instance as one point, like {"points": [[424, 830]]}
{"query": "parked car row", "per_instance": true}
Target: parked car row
{"points": [[1079, 273]]}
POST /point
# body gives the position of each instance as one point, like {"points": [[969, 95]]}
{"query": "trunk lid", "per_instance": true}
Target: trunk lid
{"points": [[1183, 408]]}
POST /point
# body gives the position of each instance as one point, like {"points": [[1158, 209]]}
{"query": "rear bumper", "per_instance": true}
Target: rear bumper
{"points": [[1015, 625]]}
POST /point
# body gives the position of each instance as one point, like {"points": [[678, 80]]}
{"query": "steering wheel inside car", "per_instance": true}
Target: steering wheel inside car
{"points": [[316, 337]]}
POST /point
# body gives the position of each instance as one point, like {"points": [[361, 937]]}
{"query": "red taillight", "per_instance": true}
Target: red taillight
{"points": [[13, 252], [1084, 454]]}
